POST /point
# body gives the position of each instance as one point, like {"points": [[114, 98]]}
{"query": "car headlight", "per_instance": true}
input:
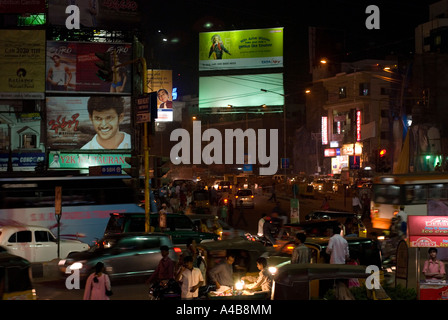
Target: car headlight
{"points": [[77, 265], [273, 270]]}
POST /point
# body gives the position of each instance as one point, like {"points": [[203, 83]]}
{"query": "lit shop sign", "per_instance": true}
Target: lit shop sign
{"points": [[358, 125], [62, 160], [332, 152], [347, 149], [428, 231], [334, 144], [324, 129]]}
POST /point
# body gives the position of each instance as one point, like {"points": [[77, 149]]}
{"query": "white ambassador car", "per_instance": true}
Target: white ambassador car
{"points": [[36, 244]]}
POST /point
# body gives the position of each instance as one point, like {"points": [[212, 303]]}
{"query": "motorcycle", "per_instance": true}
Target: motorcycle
{"points": [[169, 290]]}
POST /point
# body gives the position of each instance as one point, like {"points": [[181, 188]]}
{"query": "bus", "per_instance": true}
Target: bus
{"points": [[86, 202], [413, 191]]}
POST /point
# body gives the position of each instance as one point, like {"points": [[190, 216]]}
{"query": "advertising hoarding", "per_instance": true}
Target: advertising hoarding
{"points": [[241, 91], [161, 81], [241, 49], [70, 66], [106, 14], [25, 78], [70, 127]]}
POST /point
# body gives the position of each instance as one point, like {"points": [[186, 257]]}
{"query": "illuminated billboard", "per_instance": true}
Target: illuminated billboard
{"points": [[70, 66], [241, 91], [22, 62], [89, 123], [161, 81], [241, 49]]}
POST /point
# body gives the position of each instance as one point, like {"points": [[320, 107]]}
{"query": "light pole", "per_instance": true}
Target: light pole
{"points": [[284, 125]]}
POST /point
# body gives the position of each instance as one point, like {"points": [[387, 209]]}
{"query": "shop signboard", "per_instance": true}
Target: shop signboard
{"points": [[428, 231], [65, 160]]}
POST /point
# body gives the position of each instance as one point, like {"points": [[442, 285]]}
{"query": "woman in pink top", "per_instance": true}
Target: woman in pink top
{"points": [[433, 268], [97, 283]]}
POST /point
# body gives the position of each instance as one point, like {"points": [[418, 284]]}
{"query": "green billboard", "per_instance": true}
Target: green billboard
{"points": [[241, 49]]}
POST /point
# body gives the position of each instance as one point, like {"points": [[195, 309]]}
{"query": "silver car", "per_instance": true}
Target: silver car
{"points": [[124, 255], [244, 198]]}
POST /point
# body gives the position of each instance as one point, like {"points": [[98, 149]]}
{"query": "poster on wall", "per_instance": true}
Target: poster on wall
{"points": [[241, 49], [89, 123], [72, 67], [107, 14], [25, 78]]}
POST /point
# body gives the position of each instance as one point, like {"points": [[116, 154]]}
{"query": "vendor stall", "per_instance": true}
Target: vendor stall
{"points": [[429, 232]]}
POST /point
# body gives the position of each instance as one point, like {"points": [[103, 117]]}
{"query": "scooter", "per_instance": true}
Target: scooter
{"points": [[167, 291]]}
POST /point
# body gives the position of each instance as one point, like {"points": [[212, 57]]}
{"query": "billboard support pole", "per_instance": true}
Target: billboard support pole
{"points": [[146, 150]]}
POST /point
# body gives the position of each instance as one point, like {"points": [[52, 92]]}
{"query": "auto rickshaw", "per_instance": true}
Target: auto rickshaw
{"points": [[15, 277], [312, 281], [201, 200], [246, 254]]}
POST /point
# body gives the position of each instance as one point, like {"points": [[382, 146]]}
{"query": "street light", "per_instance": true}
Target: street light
{"points": [[284, 124]]}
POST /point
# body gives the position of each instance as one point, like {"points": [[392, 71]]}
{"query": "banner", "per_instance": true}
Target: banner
{"points": [[25, 78], [428, 231], [71, 67], [161, 81], [22, 160], [105, 14], [64, 160], [70, 126], [241, 49]]}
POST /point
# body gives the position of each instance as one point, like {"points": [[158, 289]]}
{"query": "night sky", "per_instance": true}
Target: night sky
{"points": [[343, 22]]}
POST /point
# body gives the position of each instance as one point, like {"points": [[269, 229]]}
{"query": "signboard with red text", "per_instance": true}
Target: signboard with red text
{"points": [[428, 231]]}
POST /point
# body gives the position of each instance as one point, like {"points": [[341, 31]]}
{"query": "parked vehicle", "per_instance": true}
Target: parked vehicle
{"points": [[15, 277], [312, 281], [37, 244], [365, 250], [244, 198], [124, 255], [179, 226]]}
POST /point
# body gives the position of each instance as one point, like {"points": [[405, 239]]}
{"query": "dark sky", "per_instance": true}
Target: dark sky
{"points": [[344, 18]]}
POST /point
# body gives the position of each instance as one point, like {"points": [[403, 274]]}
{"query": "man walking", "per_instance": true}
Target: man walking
{"points": [[337, 247]]}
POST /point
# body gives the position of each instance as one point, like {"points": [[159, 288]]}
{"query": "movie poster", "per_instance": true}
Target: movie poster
{"points": [[89, 123]]}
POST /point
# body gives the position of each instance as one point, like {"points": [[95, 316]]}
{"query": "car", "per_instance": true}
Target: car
{"points": [[179, 226], [37, 244], [318, 185], [125, 255], [244, 198], [15, 277], [201, 201], [225, 187]]}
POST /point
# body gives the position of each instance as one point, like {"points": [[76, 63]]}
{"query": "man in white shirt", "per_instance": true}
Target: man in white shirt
{"points": [[337, 247], [190, 278], [106, 114]]}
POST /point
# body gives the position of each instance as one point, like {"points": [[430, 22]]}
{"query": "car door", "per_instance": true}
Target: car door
{"points": [[20, 243], [134, 256], [46, 247]]}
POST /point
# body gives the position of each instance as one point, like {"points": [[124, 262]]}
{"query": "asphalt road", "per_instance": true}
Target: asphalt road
{"points": [[52, 286]]}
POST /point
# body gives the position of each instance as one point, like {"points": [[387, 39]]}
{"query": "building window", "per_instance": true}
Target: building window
{"points": [[29, 141], [364, 89], [342, 93]]}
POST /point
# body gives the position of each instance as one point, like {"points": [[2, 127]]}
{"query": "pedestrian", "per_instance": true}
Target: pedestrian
{"points": [[356, 204], [273, 195], [260, 224], [433, 269], [98, 285], [230, 212], [301, 253], [190, 279], [264, 280], [337, 247], [404, 220], [325, 204], [162, 217], [222, 274], [241, 215]]}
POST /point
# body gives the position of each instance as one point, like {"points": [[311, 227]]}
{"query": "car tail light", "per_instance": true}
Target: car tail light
{"points": [[236, 197], [177, 250], [252, 196]]}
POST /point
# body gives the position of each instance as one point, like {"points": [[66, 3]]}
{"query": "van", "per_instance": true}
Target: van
{"points": [[179, 226]]}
